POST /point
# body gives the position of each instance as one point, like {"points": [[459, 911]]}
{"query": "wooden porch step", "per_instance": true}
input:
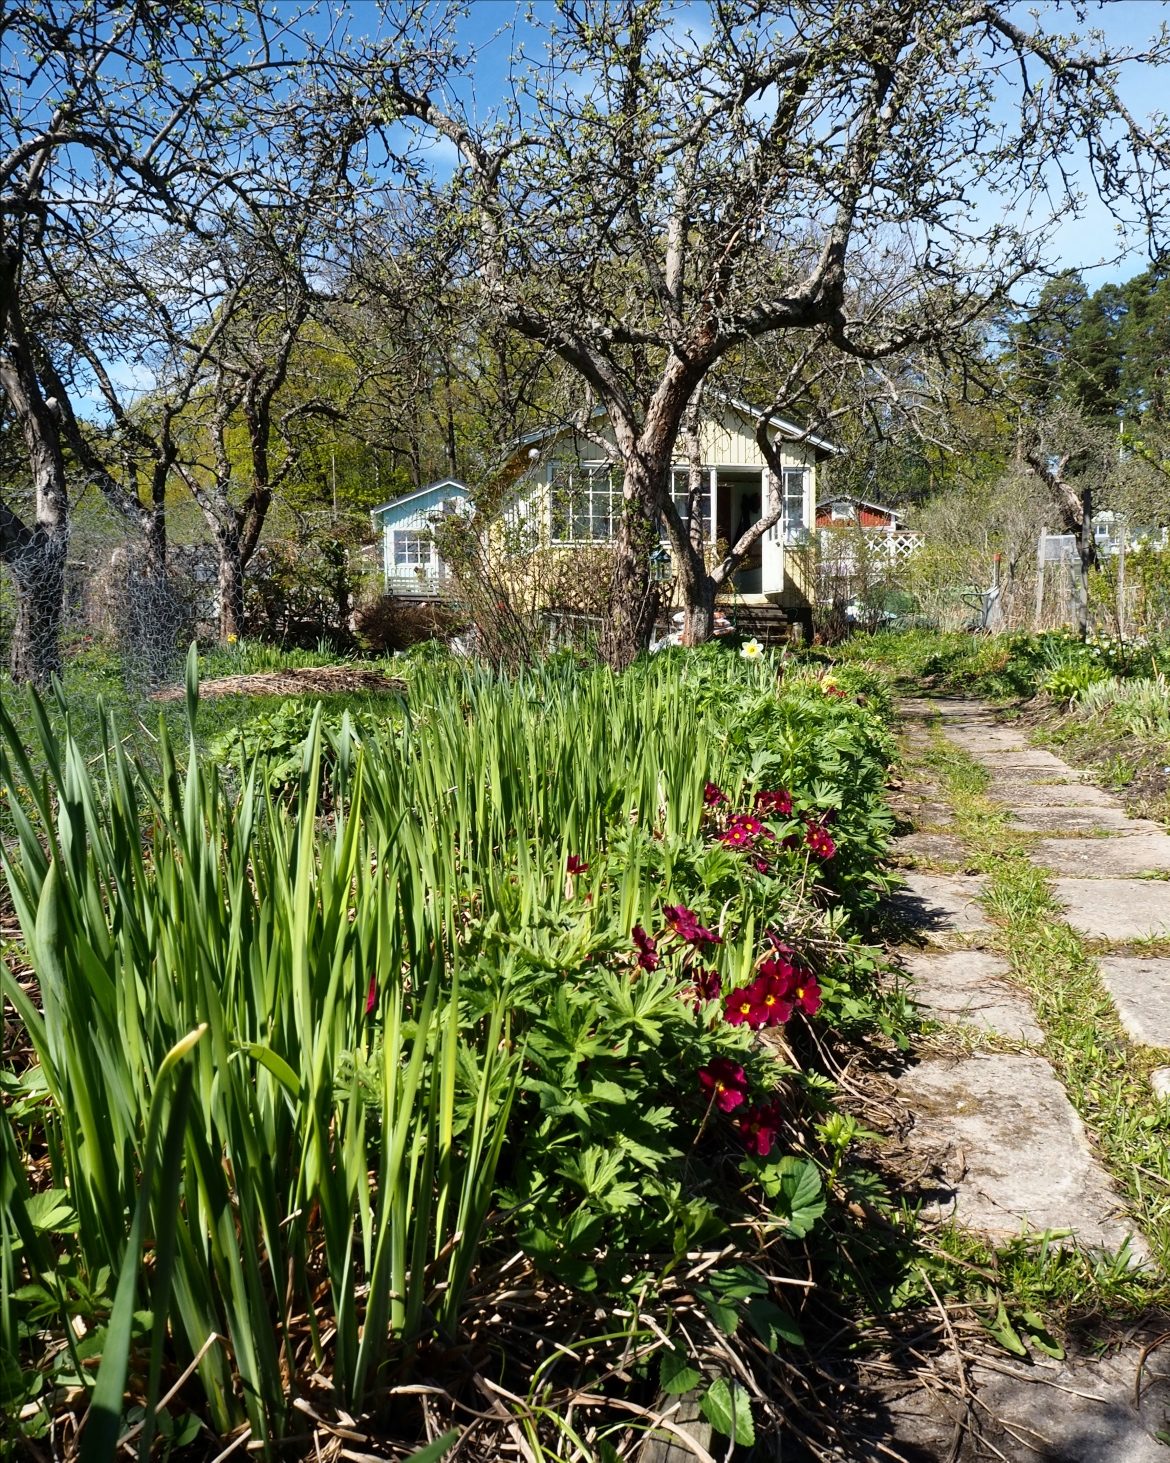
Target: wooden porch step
{"points": [[769, 624]]}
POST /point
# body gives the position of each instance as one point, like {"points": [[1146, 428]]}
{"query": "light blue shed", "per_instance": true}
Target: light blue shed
{"points": [[410, 561]]}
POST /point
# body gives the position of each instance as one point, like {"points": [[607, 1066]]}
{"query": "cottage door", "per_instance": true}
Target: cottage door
{"points": [[772, 556]]}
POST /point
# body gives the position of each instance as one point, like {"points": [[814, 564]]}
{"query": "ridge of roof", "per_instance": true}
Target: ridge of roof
{"points": [[419, 493]]}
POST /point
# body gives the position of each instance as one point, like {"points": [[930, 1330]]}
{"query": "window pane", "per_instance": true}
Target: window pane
{"points": [[411, 548], [794, 522], [680, 493]]}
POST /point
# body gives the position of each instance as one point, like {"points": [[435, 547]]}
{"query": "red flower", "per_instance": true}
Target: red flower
{"points": [[574, 865], [778, 944], [726, 1081], [736, 836], [782, 973], [685, 924], [739, 1007], [761, 864], [648, 956], [774, 802], [713, 796], [806, 994], [372, 995], [818, 839], [771, 1003], [759, 1126], [709, 985]]}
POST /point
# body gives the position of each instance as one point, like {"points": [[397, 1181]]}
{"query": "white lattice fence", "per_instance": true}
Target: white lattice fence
{"points": [[899, 544]]}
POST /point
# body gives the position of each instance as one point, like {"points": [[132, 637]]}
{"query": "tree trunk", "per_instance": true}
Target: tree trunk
{"points": [[698, 595], [231, 589], [634, 598], [1087, 554], [39, 573]]}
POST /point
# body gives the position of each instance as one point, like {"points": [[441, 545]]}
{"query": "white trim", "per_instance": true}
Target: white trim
{"points": [[785, 428], [419, 493]]}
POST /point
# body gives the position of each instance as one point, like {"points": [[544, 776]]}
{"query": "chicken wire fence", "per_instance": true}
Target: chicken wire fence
{"points": [[114, 596]]}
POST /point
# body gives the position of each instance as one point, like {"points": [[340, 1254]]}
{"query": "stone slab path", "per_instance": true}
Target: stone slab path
{"points": [[994, 1141], [972, 988], [1008, 1152], [1140, 987], [1117, 910], [940, 906]]}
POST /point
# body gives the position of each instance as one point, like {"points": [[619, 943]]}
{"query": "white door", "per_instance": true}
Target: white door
{"points": [[772, 556]]}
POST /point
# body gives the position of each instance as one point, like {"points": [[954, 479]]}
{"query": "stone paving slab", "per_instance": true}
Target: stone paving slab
{"points": [[930, 848], [1119, 856], [1140, 987], [1030, 760], [969, 987], [1008, 1150], [942, 904], [1081, 1410], [1092, 819], [980, 739], [1116, 909], [1047, 793]]}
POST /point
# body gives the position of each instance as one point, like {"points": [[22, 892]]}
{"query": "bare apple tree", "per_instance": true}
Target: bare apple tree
{"points": [[667, 183]]}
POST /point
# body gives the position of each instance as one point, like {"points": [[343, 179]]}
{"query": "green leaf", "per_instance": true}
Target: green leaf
{"points": [[50, 1212], [1004, 1332], [436, 1450], [772, 1324], [676, 1375], [1040, 1335], [724, 1313], [728, 1409], [277, 1065], [801, 1201]]}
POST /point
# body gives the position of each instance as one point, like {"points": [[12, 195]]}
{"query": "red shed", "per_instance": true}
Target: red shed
{"points": [[858, 511]]}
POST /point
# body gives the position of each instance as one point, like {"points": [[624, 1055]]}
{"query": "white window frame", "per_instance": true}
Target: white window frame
{"points": [[680, 494], [794, 489], [423, 541], [592, 493]]}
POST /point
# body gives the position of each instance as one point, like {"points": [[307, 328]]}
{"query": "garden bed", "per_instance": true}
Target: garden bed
{"points": [[479, 1083]]}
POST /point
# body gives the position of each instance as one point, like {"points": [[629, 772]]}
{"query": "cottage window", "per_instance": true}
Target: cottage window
{"points": [[412, 549], [681, 493], [581, 505], [795, 523]]}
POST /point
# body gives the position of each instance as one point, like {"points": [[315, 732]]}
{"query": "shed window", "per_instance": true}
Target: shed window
{"points": [[581, 505], [795, 523], [411, 548]]}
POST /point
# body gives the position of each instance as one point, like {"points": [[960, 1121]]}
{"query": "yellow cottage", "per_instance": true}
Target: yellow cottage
{"points": [[567, 494]]}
